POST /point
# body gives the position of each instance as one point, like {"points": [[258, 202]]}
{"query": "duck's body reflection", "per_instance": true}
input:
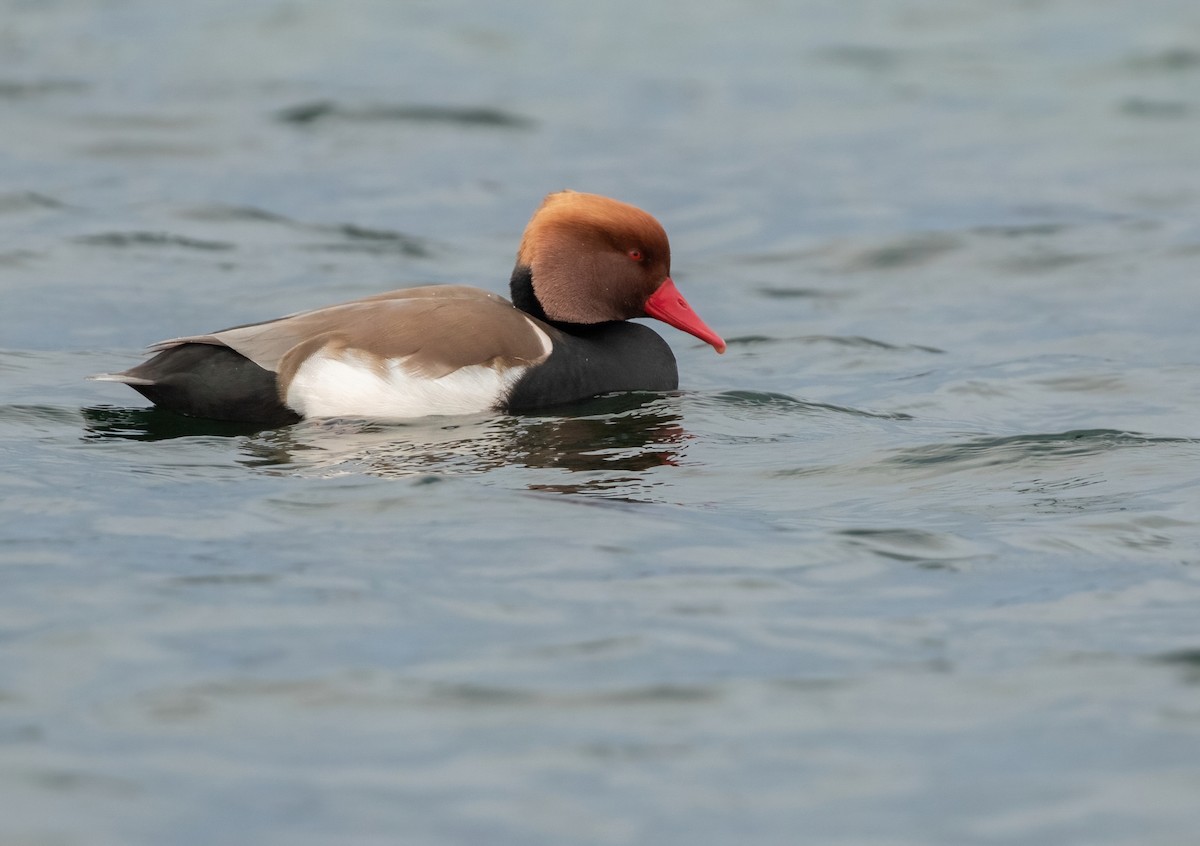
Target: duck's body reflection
{"points": [[599, 443]]}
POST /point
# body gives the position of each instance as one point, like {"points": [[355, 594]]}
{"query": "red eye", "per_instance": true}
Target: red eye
{"points": [[636, 254]]}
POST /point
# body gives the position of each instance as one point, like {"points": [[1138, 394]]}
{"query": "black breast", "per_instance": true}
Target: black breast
{"points": [[593, 360]]}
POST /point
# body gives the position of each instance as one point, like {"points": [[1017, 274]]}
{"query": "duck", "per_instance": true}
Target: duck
{"points": [[586, 265]]}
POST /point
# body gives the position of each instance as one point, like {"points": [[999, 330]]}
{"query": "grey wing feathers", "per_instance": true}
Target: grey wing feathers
{"points": [[408, 322]]}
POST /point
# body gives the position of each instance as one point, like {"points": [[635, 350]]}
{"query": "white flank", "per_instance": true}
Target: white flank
{"points": [[347, 385]]}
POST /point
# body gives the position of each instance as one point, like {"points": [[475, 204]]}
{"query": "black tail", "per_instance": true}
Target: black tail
{"points": [[205, 380]]}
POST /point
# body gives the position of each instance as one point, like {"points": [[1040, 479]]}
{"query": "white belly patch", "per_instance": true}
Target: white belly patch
{"points": [[349, 384]]}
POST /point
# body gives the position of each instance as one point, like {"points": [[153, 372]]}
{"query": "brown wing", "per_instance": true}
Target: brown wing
{"points": [[433, 330]]}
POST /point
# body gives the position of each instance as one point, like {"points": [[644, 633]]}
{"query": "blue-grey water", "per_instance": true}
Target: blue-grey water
{"points": [[917, 562]]}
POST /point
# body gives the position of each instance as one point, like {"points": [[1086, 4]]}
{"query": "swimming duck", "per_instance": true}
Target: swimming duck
{"points": [[585, 266]]}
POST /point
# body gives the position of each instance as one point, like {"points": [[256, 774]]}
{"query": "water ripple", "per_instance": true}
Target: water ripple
{"points": [[37, 414], [929, 550], [853, 341], [124, 240], [913, 251], [235, 214], [983, 452], [106, 423], [366, 240], [304, 114], [20, 202], [776, 292], [1168, 60], [1155, 109], [14, 90], [351, 237], [783, 402]]}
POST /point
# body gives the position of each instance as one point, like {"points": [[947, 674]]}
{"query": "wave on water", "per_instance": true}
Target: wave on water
{"points": [[304, 114], [1011, 449], [783, 402], [925, 549], [221, 213], [107, 423], [351, 238], [852, 341], [28, 90], [151, 239], [18, 414], [348, 237], [597, 445], [367, 240], [20, 202], [603, 446]]}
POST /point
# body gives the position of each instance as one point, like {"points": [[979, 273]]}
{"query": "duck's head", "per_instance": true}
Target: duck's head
{"points": [[589, 259]]}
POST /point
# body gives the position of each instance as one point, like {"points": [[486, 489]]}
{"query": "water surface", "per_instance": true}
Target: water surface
{"points": [[916, 562]]}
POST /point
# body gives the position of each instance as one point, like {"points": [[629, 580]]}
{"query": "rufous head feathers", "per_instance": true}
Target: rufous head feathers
{"points": [[592, 259]]}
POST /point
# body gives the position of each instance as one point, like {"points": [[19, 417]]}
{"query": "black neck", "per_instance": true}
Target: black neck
{"points": [[521, 289]]}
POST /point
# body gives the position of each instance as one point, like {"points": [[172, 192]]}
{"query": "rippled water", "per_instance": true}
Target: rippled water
{"points": [[916, 562]]}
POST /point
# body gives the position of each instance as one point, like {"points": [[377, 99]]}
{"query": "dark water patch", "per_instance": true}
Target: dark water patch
{"points": [[865, 57], [352, 237], [20, 202], [983, 452], [810, 685], [605, 646], [1152, 109], [366, 240], [144, 149], [106, 423], [367, 689], [368, 499], [14, 360], [860, 342], [751, 340], [853, 341], [11, 89], [928, 550], [783, 402], [224, 579], [124, 240], [783, 257], [1186, 660], [1043, 261], [601, 452], [17, 258], [1101, 383], [1022, 230], [151, 120], [775, 292], [20, 733], [1076, 215], [235, 214], [803, 472], [1168, 60], [38, 415], [77, 781], [305, 114], [1188, 250], [478, 695], [1145, 531], [1181, 657], [905, 253]]}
